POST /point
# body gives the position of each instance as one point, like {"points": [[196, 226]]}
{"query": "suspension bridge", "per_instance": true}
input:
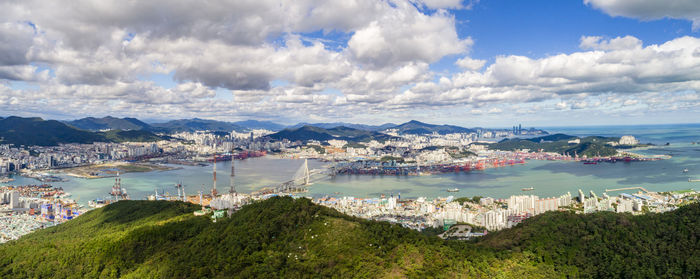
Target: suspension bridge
{"points": [[302, 178]]}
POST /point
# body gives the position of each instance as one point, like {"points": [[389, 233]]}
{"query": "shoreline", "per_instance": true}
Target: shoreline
{"points": [[107, 170]]}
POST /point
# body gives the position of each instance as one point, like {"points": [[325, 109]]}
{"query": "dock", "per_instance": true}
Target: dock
{"points": [[626, 188]]}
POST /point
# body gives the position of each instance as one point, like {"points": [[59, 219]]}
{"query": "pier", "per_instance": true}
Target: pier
{"points": [[627, 188]]}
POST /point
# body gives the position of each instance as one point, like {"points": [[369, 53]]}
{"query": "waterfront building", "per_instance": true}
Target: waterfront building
{"points": [[486, 201], [637, 205], [544, 205], [522, 203], [624, 205], [496, 219], [628, 140], [14, 200], [590, 205], [565, 200], [229, 200]]}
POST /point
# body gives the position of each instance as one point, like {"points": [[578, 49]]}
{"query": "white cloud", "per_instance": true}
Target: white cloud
{"points": [[447, 4], [562, 105], [620, 67], [405, 34], [15, 41], [470, 64], [619, 43], [79, 55], [651, 9]]}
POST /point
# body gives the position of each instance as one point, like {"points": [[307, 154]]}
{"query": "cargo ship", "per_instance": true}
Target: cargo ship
{"points": [[220, 158], [249, 154]]}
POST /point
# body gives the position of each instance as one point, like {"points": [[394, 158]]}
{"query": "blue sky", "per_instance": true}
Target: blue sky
{"points": [[473, 63]]}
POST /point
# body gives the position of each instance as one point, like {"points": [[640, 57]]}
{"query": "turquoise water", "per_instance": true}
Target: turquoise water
{"points": [[656, 134], [549, 178]]}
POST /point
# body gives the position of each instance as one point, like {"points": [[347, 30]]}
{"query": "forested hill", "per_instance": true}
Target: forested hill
{"points": [[287, 238], [36, 131], [590, 146], [340, 133], [610, 245]]}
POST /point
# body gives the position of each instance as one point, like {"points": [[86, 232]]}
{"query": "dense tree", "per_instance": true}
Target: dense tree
{"points": [[284, 237]]}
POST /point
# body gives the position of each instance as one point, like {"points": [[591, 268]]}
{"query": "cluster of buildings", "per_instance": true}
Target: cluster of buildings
{"points": [[496, 214], [27, 208], [197, 147], [204, 143], [14, 159], [432, 148]]}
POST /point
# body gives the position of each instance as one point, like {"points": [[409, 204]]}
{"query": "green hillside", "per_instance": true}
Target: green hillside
{"points": [[196, 124], [287, 238], [131, 135], [109, 123], [36, 131], [559, 143], [610, 245], [420, 128], [321, 134]]}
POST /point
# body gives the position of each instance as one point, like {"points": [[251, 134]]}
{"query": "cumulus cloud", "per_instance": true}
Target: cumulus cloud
{"points": [[620, 66], [405, 34], [619, 43], [651, 9], [15, 41], [79, 55], [447, 4], [470, 64]]}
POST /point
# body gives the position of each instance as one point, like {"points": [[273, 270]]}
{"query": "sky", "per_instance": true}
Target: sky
{"points": [[472, 63]]}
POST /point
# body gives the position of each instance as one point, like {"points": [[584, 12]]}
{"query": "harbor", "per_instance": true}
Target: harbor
{"points": [[31, 207]]}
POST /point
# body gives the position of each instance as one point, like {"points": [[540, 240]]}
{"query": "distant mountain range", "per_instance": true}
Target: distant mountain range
{"points": [[360, 133], [37, 131], [109, 123], [345, 124], [419, 128], [340, 133], [197, 124], [301, 131], [181, 125], [255, 124]]}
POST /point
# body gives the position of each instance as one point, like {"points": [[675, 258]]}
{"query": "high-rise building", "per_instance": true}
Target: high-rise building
{"points": [[14, 200], [522, 203], [213, 190], [232, 188]]}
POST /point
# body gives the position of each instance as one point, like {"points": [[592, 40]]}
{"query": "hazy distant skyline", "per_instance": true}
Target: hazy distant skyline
{"points": [[491, 63]]}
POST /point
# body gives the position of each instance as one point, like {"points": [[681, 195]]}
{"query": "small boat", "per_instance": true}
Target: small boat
{"points": [[453, 190], [685, 170], [528, 189]]}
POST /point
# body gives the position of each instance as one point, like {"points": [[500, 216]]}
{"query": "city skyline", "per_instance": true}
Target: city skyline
{"points": [[468, 63]]}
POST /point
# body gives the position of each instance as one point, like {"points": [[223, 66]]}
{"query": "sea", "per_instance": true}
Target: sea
{"points": [[548, 178]]}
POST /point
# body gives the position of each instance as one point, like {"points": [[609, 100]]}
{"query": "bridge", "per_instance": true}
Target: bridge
{"points": [[301, 179], [627, 188]]}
